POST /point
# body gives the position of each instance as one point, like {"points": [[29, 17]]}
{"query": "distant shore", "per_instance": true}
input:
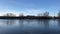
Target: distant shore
{"points": [[28, 17]]}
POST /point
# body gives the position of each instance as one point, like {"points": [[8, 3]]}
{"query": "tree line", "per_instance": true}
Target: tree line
{"points": [[39, 14]]}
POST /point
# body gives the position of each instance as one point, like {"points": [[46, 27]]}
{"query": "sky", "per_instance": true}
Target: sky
{"points": [[29, 7]]}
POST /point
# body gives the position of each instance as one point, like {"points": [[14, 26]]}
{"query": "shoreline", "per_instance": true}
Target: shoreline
{"points": [[28, 17]]}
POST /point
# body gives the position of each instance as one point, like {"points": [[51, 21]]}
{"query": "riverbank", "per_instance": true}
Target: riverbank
{"points": [[27, 17]]}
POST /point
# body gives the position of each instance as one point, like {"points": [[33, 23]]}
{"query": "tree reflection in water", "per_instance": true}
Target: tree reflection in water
{"points": [[10, 21], [44, 22], [58, 20], [21, 21]]}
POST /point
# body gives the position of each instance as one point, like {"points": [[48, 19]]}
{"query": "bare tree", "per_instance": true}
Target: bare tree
{"points": [[46, 13], [59, 14], [9, 14], [21, 14], [40, 14]]}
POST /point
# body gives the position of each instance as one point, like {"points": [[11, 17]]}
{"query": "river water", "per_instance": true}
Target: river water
{"points": [[29, 26]]}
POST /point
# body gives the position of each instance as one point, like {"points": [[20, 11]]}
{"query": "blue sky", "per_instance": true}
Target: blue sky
{"points": [[29, 7]]}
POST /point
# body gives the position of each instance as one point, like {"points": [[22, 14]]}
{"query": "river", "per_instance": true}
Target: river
{"points": [[29, 26]]}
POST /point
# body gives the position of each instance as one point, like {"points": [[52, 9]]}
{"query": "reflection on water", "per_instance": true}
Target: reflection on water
{"points": [[29, 26], [10, 22]]}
